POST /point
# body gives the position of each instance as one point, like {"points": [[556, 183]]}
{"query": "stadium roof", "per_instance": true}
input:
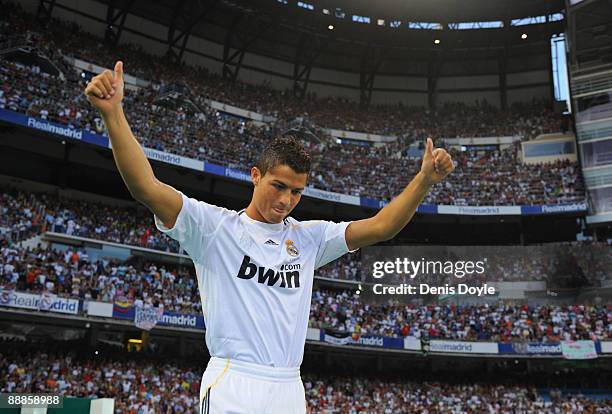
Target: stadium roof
{"points": [[388, 22], [391, 37], [418, 10], [466, 30]]}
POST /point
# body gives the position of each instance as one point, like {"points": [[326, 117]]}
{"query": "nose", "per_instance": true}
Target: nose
{"points": [[285, 199]]}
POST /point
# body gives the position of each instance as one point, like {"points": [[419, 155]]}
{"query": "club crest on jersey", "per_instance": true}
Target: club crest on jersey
{"points": [[291, 249]]}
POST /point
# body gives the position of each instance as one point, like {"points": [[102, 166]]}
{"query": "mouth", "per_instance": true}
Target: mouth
{"points": [[279, 211]]}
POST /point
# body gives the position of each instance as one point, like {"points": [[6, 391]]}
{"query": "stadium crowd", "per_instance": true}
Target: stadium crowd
{"points": [[25, 214], [70, 273], [495, 178], [137, 387], [459, 120], [346, 311], [142, 386], [28, 213], [361, 395]]}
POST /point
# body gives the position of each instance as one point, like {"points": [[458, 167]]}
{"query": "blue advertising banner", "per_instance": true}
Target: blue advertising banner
{"points": [[533, 348], [530, 210], [126, 310], [372, 203], [395, 343], [346, 338], [53, 128], [554, 209], [214, 168], [427, 209], [180, 320]]}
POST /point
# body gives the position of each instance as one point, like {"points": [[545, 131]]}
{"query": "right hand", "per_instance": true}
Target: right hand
{"points": [[105, 91]]}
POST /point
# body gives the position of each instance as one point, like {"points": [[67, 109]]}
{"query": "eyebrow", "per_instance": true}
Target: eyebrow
{"points": [[283, 184]]}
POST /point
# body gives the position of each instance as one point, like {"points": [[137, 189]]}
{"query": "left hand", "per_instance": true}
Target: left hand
{"points": [[437, 164]]}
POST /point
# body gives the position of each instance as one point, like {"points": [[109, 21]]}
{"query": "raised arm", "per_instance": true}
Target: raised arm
{"points": [[389, 221], [105, 92]]}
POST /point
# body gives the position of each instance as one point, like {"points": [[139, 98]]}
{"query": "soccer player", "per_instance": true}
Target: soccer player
{"points": [[254, 267]]}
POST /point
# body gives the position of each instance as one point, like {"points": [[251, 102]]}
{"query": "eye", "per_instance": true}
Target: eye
{"points": [[278, 186], [296, 192]]}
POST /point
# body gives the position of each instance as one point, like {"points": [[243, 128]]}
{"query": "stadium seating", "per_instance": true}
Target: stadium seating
{"points": [[25, 214], [70, 274], [147, 383], [495, 178], [146, 387]]}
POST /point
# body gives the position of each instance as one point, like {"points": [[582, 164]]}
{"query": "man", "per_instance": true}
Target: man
{"points": [[254, 267]]}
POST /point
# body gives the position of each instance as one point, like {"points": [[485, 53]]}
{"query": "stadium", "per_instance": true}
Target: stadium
{"points": [[495, 295]]}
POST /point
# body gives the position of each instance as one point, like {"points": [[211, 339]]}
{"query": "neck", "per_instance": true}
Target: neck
{"points": [[253, 213]]}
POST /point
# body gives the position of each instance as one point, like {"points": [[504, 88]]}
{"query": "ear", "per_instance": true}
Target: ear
{"points": [[255, 175]]}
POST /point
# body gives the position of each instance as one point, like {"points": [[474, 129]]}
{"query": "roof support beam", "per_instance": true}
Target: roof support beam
{"points": [[116, 12], [434, 68], [503, 66], [242, 33], [44, 12], [309, 48], [184, 18], [371, 60]]}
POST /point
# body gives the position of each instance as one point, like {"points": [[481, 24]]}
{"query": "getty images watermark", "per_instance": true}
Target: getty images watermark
{"points": [[405, 273]]}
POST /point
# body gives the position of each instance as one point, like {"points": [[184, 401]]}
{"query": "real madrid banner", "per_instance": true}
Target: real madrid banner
{"points": [[530, 348], [347, 338], [53, 303], [45, 302]]}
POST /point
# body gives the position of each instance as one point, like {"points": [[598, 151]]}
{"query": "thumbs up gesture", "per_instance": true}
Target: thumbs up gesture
{"points": [[437, 163], [105, 91]]}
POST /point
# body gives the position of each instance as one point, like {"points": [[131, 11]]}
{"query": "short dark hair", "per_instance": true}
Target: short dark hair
{"points": [[285, 150]]}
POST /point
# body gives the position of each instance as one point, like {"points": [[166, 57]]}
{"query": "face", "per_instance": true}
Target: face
{"points": [[277, 192]]}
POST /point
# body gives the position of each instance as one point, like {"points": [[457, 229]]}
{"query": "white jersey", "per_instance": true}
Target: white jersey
{"points": [[255, 278]]}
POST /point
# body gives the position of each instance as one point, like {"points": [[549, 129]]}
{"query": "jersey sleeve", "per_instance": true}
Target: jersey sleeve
{"points": [[195, 226], [333, 242]]}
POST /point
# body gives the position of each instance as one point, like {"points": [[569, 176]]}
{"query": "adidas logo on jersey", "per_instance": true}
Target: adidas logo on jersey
{"points": [[289, 276], [271, 242]]}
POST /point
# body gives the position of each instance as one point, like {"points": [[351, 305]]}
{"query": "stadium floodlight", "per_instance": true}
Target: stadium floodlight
{"points": [[330, 27], [361, 19], [305, 5], [437, 41], [524, 36]]}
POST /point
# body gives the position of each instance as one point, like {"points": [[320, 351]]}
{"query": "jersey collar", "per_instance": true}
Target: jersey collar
{"points": [[260, 224]]}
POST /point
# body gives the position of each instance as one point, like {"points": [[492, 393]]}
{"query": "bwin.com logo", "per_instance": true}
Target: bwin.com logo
{"points": [[289, 274]]}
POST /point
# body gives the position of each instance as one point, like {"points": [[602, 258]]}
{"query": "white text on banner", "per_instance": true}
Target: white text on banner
{"points": [[464, 347]]}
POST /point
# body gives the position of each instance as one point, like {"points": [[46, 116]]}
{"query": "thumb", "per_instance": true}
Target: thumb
{"points": [[118, 70], [429, 148]]}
